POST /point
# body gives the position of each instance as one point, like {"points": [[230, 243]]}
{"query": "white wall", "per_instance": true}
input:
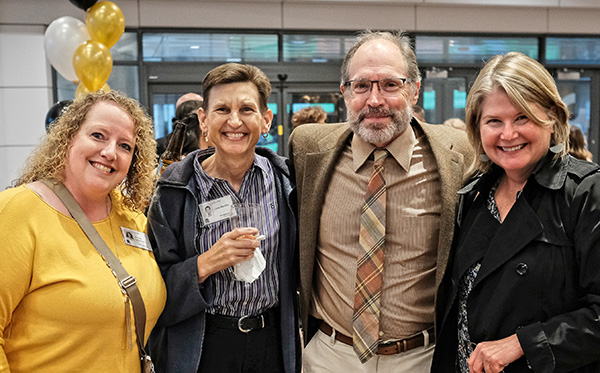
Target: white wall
{"points": [[25, 95], [25, 83]]}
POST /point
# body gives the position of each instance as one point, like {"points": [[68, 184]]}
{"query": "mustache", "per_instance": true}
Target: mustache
{"points": [[372, 111]]}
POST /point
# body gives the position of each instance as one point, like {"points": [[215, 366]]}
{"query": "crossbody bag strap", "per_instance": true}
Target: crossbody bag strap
{"points": [[126, 281]]}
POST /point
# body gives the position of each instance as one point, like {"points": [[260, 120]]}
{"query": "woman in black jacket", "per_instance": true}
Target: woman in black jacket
{"points": [[522, 289]]}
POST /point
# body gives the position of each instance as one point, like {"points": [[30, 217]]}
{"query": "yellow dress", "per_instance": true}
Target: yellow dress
{"points": [[61, 308]]}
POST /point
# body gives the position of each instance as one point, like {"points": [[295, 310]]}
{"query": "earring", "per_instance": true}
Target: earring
{"points": [[557, 148], [205, 135], [265, 135], [483, 157]]}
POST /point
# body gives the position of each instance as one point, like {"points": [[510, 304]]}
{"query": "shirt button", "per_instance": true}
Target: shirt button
{"points": [[380, 333], [245, 303], [522, 269]]}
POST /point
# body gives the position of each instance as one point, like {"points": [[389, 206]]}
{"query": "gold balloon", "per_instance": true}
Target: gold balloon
{"points": [[82, 90], [105, 23], [93, 63]]}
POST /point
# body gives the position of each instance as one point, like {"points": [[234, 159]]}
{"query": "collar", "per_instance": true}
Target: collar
{"points": [[551, 174], [180, 173], [260, 163], [401, 149], [548, 173]]}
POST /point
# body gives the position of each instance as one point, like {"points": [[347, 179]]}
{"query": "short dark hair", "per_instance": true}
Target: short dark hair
{"points": [[186, 108], [237, 73], [192, 133]]}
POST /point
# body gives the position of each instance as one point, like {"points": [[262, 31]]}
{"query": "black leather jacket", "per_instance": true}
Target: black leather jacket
{"points": [[540, 270]]}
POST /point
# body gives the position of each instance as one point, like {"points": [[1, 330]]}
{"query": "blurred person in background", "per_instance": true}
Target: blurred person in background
{"points": [[577, 145], [419, 112], [186, 111], [311, 114]]}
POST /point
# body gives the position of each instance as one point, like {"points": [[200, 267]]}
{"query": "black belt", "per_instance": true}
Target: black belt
{"points": [[245, 323]]}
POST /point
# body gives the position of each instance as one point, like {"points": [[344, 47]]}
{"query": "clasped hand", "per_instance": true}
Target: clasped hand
{"points": [[494, 356]]}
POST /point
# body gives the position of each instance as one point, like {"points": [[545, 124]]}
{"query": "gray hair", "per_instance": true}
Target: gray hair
{"points": [[402, 41]]}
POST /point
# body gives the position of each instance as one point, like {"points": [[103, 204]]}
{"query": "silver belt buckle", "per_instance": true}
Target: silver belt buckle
{"points": [[241, 320]]}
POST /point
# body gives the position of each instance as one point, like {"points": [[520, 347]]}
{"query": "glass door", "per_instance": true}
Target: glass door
{"points": [[576, 94], [301, 95], [161, 104], [580, 90], [444, 93], [162, 99], [444, 98]]}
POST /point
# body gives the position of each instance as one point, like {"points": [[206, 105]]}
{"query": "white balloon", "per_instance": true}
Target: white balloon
{"points": [[61, 39]]}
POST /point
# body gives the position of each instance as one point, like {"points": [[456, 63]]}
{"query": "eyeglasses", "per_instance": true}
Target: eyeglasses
{"points": [[387, 87]]}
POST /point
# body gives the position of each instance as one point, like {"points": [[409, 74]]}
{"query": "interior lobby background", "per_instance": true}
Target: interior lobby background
{"points": [[26, 91]]}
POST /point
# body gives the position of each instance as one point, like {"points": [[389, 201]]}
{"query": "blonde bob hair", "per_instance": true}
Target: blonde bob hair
{"points": [[49, 159], [525, 81]]}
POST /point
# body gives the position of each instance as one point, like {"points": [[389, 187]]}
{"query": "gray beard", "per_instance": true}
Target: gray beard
{"points": [[380, 133]]}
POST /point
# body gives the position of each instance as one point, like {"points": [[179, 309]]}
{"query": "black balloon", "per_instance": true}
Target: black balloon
{"points": [[56, 111], [83, 4]]}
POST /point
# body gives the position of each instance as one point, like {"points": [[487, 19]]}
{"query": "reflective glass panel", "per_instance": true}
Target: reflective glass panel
{"points": [[126, 48], [576, 94], [163, 111], [444, 99], [122, 78], [575, 51], [210, 47], [316, 48], [466, 49]]}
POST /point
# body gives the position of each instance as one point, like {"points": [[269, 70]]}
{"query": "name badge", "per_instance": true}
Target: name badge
{"points": [[136, 238], [216, 210]]}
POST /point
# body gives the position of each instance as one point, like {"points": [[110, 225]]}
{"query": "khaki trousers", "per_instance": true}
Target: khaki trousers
{"points": [[324, 354]]}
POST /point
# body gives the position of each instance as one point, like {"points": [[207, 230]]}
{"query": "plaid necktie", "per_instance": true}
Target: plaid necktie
{"points": [[369, 272]]}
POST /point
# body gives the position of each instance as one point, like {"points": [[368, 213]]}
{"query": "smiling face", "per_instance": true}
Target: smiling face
{"points": [[376, 118], [511, 139], [101, 152], [233, 119]]}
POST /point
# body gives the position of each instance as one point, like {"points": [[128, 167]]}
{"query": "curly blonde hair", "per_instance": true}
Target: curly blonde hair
{"points": [[49, 159]]}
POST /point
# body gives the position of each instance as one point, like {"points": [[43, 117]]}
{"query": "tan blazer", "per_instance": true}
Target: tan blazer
{"points": [[314, 151]]}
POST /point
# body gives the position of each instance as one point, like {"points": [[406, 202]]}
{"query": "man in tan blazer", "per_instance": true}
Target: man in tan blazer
{"points": [[424, 168]]}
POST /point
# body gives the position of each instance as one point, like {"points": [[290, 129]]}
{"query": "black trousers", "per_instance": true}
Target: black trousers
{"points": [[232, 351]]}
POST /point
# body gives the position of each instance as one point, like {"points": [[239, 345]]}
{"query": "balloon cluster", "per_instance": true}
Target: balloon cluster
{"points": [[80, 52]]}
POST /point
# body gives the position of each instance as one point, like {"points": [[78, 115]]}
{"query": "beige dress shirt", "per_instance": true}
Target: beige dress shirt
{"points": [[412, 230]]}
